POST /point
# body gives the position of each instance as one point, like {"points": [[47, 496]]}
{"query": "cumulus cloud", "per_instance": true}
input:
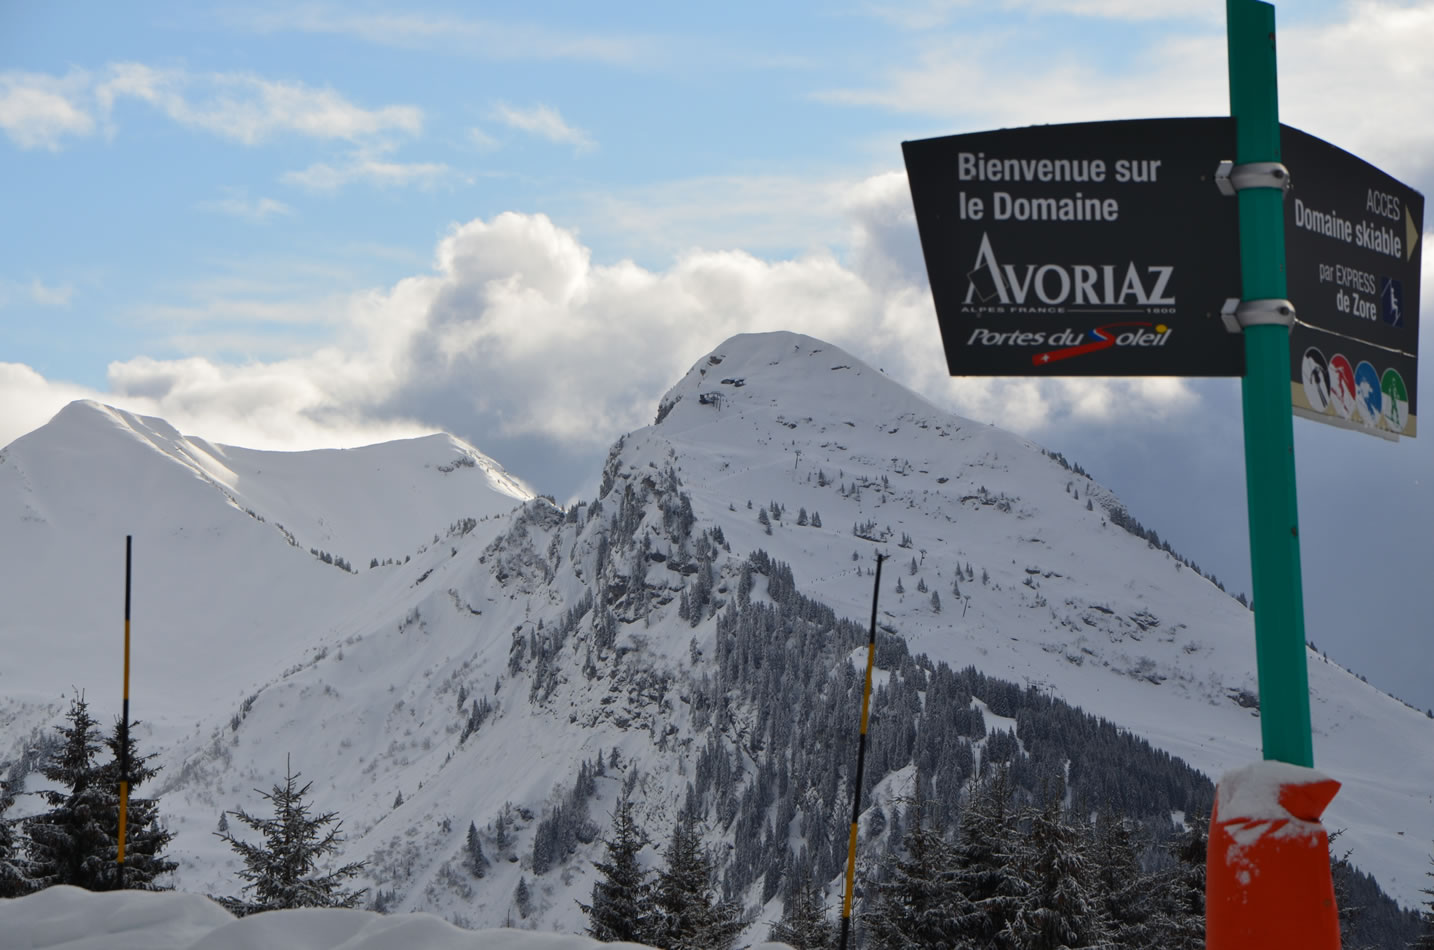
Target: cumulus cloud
{"points": [[29, 399]]}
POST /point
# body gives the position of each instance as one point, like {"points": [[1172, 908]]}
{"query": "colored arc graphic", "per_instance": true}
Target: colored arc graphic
{"points": [[1102, 338]]}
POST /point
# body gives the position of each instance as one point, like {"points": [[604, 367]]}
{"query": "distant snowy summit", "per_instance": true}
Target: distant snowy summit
{"points": [[345, 500], [797, 372]]}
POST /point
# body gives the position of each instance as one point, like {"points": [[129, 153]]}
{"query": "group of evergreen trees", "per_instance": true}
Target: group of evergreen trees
{"points": [[1035, 877], [679, 909], [1010, 877], [76, 841]]}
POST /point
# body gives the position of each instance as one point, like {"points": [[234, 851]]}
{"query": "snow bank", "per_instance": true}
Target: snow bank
{"points": [[67, 918]]}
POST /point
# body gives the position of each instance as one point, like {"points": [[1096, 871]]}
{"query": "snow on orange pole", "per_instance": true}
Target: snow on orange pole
{"points": [[1267, 876]]}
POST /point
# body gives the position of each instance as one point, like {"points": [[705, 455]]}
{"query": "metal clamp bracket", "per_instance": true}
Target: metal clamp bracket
{"points": [[1238, 314], [1231, 178]]}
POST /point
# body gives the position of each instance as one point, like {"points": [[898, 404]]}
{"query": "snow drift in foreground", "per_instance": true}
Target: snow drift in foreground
{"points": [[68, 918]]}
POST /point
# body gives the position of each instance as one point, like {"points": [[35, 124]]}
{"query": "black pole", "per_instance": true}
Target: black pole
{"points": [[860, 763], [124, 716]]}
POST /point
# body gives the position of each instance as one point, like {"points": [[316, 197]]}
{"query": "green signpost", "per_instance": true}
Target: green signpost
{"points": [[1269, 425]]}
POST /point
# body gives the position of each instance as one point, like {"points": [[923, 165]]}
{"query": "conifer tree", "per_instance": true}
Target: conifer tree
{"points": [[69, 844], [1115, 869], [1177, 918], [1426, 936], [1058, 910], [284, 872], [501, 839], [983, 862], [689, 915], [473, 857], [805, 924], [14, 869], [523, 898], [916, 906], [145, 837], [620, 901]]}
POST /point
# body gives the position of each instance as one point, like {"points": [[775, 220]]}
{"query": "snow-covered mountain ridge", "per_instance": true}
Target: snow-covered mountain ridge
{"points": [[475, 680]]}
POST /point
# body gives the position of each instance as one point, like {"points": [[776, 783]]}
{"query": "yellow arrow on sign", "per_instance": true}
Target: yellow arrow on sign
{"points": [[1411, 234]]}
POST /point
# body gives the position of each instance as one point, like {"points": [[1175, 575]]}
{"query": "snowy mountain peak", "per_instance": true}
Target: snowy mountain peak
{"points": [[784, 370]]}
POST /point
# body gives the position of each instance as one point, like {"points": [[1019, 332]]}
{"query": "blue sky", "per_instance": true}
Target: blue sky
{"points": [[294, 225]]}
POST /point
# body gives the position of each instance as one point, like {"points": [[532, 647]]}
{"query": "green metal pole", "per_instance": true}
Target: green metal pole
{"points": [[1269, 424]]}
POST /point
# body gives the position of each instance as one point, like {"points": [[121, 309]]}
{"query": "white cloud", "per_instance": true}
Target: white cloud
{"points": [[250, 109], [238, 206], [492, 39], [366, 168], [544, 122], [40, 111], [767, 215], [482, 141], [932, 14], [1172, 77], [1123, 9], [1330, 73], [29, 400], [47, 296]]}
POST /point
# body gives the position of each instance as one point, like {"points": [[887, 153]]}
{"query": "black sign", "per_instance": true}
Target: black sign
{"points": [[1093, 249], [1352, 247]]}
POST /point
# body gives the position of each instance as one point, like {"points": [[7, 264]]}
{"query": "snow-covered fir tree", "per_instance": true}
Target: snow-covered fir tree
{"points": [[145, 838], [689, 914], [620, 908], [805, 923], [523, 898], [1115, 870], [473, 857], [1426, 937], [1177, 915], [284, 872], [916, 904], [1060, 908], [984, 871], [14, 869], [69, 844]]}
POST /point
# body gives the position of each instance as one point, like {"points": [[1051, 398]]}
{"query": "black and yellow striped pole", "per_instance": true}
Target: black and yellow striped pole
{"points": [[860, 764], [124, 716]]}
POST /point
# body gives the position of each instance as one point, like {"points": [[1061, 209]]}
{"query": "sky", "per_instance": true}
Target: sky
{"points": [[307, 224]]}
